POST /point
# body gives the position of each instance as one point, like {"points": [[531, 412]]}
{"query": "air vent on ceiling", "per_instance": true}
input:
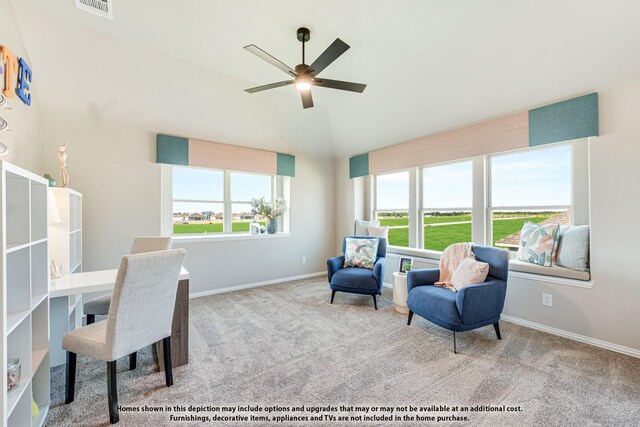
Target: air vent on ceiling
{"points": [[102, 8]]}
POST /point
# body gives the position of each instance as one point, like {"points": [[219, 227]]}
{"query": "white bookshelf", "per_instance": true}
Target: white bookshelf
{"points": [[24, 265], [65, 247], [65, 237]]}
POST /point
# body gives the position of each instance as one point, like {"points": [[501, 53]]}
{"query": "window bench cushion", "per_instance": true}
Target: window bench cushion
{"points": [[556, 271]]}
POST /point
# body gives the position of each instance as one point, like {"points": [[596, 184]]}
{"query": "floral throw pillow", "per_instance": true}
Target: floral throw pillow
{"points": [[538, 243], [360, 253]]}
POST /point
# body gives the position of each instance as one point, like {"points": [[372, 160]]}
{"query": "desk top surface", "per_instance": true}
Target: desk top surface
{"points": [[90, 281]]}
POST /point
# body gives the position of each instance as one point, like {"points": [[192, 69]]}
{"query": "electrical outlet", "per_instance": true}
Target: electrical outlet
{"points": [[304, 259], [547, 299]]}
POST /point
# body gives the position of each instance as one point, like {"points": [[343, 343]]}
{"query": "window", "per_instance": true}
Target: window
{"points": [[532, 185], [215, 201], [447, 200], [245, 187], [485, 199], [392, 205]]}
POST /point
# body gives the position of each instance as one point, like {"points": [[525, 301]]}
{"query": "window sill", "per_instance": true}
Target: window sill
{"points": [[226, 237], [544, 274]]}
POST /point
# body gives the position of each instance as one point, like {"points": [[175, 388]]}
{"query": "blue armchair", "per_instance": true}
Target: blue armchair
{"points": [[357, 280], [472, 307]]}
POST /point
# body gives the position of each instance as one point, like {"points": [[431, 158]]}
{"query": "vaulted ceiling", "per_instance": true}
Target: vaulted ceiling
{"points": [[178, 66]]}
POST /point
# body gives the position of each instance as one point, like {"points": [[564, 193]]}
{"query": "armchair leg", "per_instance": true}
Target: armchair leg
{"points": [[70, 386], [410, 317], [168, 369], [496, 326], [133, 359], [333, 294], [112, 392], [375, 304], [91, 318], [454, 343]]}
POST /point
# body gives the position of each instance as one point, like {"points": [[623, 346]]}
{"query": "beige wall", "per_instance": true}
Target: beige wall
{"points": [[608, 311], [25, 138], [113, 166]]}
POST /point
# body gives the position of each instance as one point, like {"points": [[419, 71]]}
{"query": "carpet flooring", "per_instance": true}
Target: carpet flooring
{"points": [[284, 346]]}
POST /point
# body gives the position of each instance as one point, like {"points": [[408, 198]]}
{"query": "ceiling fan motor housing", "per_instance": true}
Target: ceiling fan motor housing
{"points": [[303, 34]]}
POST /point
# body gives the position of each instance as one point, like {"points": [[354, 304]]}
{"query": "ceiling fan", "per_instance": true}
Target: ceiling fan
{"points": [[305, 76]]}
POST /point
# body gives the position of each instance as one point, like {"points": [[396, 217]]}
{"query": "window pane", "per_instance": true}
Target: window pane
{"points": [[242, 217], [398, 223], [197, 218], [443, 228], [197, 184], [532, 178], [392, 191], [507, 224], [245, 186], [447, 186]]}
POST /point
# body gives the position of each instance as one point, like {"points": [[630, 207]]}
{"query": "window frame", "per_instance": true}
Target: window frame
{"points": [[280, 187], [374, 204], [489, 189]]}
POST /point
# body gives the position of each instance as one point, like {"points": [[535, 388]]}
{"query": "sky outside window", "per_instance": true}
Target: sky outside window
{"points": [[392, 191], [533, 178], [447, 186]]}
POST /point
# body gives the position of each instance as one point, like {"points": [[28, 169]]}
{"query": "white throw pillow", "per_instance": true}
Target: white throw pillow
{"points": [[469, 272], [379, 231], [362, 226], [573, 249]]}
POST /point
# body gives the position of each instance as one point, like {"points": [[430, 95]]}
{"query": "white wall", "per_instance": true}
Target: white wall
{"points": [[113, 166], [609, 311], [25, 138]]}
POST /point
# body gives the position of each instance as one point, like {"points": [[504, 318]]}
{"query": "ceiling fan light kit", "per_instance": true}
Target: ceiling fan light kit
{"points": [[304, 76]]}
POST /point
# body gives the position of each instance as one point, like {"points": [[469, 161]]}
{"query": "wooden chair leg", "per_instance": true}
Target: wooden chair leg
{"points": [[168, 370], [454, 343], [410, 317], [70, 386], [375, 304], [91, 318], [112, 392], [333, 294], [133, 360], [496, 326]]}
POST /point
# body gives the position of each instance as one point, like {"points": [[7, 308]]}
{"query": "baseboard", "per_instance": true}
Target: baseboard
{"points": [[255, 284], [387, 285], [572, 336]]}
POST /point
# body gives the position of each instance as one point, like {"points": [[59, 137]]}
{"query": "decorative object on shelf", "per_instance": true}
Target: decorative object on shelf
{"points": [[4, 104], [406, 264], [13, 374], [52, 180], [34, 408], [19, 69], [254, 228], [55, 269], [270, 211], [62, 156]]}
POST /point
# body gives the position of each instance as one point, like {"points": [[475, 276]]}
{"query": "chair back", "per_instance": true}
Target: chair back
{"points": [[498, 260], [141, 310], [143, 244], [382, 244]]}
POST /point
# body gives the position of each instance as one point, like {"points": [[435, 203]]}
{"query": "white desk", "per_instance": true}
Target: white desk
{"points": [[65, 295]]}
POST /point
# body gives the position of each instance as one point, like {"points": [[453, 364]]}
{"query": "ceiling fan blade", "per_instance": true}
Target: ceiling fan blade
{"points": [[337, 48], [270, 59], [269, 86], [339, 84], [307, 99]]}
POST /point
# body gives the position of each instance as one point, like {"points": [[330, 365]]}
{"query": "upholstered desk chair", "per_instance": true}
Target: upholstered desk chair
{"points": [[472, 307], [140, 314], [100, 306], [357, 280]]}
